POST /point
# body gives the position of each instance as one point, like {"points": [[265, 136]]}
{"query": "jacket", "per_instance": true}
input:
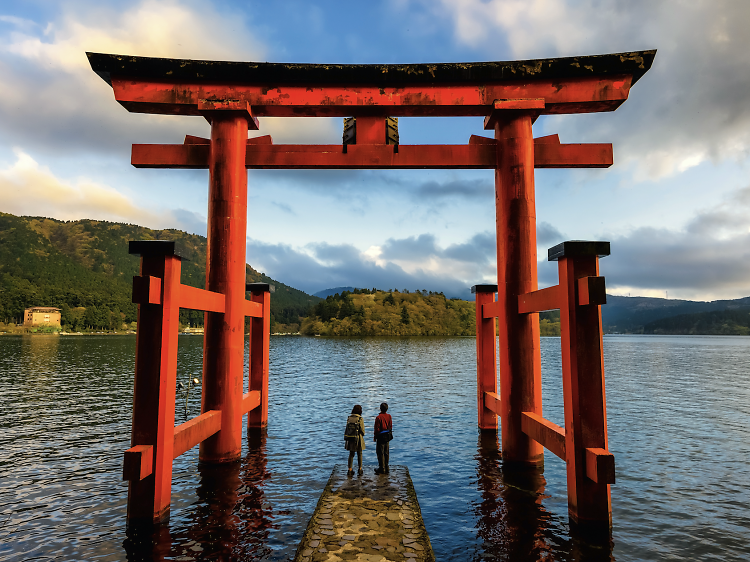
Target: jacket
{"points": [[360, 442], [383, 422]]}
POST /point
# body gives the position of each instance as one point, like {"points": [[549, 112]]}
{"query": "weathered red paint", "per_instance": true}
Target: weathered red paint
{"points": [[583, 441], [260, 330], [486, 356], [520, 359], [224, 349], [551, 436], [542, 87], [372, 156], [584, 394], [537, 301], [190, 433], [154, 393], [563, 95]]}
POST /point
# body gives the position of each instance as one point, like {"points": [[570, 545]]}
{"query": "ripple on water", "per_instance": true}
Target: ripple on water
{"points": [[678, 411]]}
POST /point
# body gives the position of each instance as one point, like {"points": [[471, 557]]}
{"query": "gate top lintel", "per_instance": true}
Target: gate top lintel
{"points": [[635, 63], [567, 85]]}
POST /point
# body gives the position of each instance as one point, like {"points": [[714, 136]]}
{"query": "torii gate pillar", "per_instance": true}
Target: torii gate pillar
{"points": [[224, 346], [520, 358]]}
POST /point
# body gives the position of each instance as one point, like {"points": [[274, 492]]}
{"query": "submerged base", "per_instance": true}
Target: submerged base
{"points": [[372, 518]]}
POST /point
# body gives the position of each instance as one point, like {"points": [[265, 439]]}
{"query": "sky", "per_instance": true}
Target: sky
{"points": [[675, 205]]}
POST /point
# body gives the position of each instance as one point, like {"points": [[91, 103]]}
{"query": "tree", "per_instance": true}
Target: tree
{"points": [[405, 315]]}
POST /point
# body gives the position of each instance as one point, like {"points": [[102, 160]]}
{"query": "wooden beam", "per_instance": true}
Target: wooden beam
{"points": [[537, 301], [190, 433], [544, 432], [490, 310], [250, 401], [561, 96], [361, 157], [253, 309], [139, 462], [600, 466], [492, 402], [592, 290], [200, 299]]}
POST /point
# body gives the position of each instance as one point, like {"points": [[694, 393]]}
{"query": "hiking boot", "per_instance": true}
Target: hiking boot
{"points": [[378, 470], [350, 472], [361, 471], [387, 470]]}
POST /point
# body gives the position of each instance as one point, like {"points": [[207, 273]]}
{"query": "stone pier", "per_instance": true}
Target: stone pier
{"points": [[366, 518]]}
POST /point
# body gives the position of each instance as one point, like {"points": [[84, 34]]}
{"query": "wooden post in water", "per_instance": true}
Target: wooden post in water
{"points": [[486, 355], [148, 462], [224, 344], [520, 356], [590, 466], [260, 333]]}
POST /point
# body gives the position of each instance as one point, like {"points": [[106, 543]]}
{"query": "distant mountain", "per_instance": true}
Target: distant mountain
{"points": [[84, 268], [330, 292], [716, 322], [632, 314]]}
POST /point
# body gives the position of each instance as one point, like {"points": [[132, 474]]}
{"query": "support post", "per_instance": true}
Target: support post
{"points": [[224, 342], [155, 379], [520, 357], [260, 339], [486, 356], [589, 503]]}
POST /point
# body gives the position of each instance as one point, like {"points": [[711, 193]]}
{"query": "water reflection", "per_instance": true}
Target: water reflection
{"points": [[231, 519], [510, 518], [512, 522]]}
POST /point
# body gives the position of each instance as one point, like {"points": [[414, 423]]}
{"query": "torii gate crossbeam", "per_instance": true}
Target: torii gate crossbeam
{"points": [[510, 96]]}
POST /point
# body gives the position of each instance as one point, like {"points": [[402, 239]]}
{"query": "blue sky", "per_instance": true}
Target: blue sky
{"points": [[676, 204]]}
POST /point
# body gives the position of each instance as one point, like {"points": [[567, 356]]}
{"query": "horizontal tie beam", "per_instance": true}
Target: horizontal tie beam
{"points": [[561, 95], [147, 290], [600, 466], [310, 156], [190, 433], [250, 401], [544, 432], [491, 310], [492, 402], [538, 301]]}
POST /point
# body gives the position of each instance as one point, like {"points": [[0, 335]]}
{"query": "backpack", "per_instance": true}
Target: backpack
{"points": [[352, 430]]}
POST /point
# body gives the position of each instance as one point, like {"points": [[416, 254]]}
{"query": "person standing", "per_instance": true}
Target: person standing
{"points": [[383, 436], [354, 440]]}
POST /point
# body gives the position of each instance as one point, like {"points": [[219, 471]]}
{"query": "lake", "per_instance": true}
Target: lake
{"points": [[679, 426]]}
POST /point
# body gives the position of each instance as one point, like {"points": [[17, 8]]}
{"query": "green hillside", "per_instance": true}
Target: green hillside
{"points": [[380, 313], [83, 267], [715, 322]]}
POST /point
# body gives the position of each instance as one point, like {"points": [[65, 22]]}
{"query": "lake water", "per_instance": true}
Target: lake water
{"points": [[679, 426]]}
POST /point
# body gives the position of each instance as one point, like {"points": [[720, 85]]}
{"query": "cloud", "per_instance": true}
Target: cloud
{"points": [[692, 106], [51, 99], [547, 235], [27, 188], [707, 259], [409, 263], [464, 189]]}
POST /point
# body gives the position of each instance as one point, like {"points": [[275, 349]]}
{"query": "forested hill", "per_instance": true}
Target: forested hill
{"points": [[365, 312], [84, 268]]}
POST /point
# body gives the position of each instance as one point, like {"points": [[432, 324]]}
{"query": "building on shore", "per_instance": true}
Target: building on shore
{"points": [[41, 316]]}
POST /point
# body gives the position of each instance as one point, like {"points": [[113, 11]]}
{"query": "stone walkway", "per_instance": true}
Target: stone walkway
{"points": [[368, 518]]}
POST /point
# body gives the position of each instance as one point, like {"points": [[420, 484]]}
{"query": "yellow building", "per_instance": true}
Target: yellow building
{"points": [[41, 316]]}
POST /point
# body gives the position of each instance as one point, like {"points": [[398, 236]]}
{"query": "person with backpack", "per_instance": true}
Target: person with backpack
{"points": [[383, 436], [354, 440]]}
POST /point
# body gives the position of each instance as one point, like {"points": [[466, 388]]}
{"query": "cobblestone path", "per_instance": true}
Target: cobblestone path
{"points": [[368, 518]]}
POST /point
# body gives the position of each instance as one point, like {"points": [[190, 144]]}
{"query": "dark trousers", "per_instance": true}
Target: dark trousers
{"points": [[383, 450]]}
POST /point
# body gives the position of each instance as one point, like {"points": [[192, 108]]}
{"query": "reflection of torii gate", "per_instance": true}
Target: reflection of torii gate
{"points": [[510, 96]]}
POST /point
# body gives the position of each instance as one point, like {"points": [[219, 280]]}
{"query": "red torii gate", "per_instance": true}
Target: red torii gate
{"points": [[510, 96]]}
